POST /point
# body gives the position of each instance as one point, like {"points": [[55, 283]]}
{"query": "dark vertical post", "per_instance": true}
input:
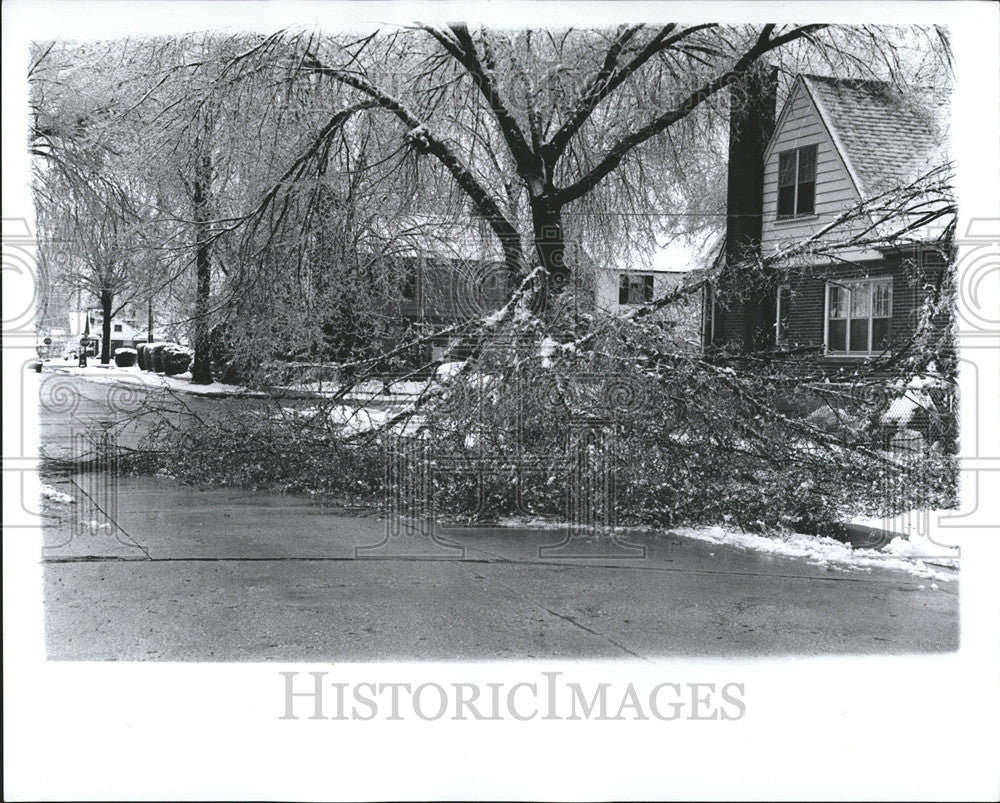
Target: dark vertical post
{"points": [[106, 301], [750, 314]]}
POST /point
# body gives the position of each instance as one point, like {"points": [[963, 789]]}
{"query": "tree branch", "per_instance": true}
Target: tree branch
{"points": [[607, 80], [618, 152], [463, 49], [506, 232]]}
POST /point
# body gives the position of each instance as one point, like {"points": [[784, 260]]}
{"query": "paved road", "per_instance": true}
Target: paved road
{"points": [[147, 570]]}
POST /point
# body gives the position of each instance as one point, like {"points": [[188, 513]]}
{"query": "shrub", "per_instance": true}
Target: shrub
{"points": [[156, 356], [176, 359], [125, 358], [144, 356]]}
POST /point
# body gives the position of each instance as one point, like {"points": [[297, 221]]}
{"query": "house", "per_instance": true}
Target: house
{"points": [[445, 272], [856, 294], [454, 271], [636, 280], [125, 331]]}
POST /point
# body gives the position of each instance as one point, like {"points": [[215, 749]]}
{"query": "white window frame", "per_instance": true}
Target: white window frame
{"points": [[849, 285], [777, 313]]}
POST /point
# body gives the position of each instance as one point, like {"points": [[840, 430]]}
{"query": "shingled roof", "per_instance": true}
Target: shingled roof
{"points": [[887, 137]]}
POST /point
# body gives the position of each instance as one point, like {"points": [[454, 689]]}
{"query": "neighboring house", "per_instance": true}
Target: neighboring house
{"points": [[619, 288], [125, 332], [450, 272], [836, 143], [447, 272]]}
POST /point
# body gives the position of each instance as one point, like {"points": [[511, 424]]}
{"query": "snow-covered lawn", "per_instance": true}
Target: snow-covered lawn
{"points": [[354, 420], [380, 390], [133, 375]]}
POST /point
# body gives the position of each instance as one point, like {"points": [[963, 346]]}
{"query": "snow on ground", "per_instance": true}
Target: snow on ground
{"points": [[915, 539], [827, 552], [181, 383], [368, 390], [50, 493], [905, 555], [355, 420]]}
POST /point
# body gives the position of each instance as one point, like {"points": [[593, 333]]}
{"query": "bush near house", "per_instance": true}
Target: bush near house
{"points": [[125, 357], [155, 351], [176, 359], [144, 356]]}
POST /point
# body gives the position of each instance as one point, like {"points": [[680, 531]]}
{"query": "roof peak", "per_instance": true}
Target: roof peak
{"points": [[884, 133]]}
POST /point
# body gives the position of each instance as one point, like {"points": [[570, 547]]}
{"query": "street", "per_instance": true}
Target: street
{"points": [[159, 571]]}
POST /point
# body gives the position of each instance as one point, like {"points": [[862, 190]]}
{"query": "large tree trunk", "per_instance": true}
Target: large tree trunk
{"points": [[550, 246], [106, 301], [201, 371]]}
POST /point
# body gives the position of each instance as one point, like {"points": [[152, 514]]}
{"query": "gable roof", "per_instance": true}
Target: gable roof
{"points": [[885, 138]]}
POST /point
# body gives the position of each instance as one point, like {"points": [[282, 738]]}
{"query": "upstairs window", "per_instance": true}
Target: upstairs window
{"points": [[635, 288], [858, 316], [118, 327], [797, 182]]}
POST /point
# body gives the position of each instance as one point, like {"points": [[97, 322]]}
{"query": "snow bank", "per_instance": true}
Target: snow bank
{"points": [[48, 492], [910, 556], [821, 551], [915, 538]]}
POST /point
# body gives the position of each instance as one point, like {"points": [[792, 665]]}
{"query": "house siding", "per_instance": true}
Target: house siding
{"points": [[447, 291], [801, 125], [685, 313]]}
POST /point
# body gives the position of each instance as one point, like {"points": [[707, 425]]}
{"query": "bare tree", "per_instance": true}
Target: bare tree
{"points": [[582, 136]]}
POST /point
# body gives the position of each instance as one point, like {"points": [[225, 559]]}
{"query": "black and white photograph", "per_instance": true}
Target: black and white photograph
{"points": [[481, 401]]}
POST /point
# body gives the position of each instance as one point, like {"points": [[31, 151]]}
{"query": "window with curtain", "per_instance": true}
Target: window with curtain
{"points": [[859, 316]]}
